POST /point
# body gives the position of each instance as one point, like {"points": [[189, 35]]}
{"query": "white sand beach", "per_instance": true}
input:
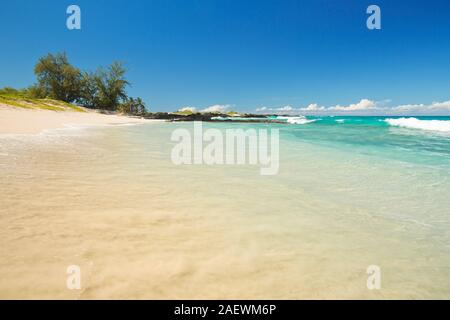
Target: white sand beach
{"points": [[110, 200], [33, 121]]}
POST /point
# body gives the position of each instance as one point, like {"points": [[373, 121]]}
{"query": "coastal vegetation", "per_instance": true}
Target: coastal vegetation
{"points": [[21, 99], [60, 85]]}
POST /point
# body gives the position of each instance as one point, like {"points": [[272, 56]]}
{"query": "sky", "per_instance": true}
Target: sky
{"points": [[285, 56]]}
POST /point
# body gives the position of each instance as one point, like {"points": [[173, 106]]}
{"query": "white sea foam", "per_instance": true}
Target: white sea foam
{"points": [[297, 120], [414, 123]]}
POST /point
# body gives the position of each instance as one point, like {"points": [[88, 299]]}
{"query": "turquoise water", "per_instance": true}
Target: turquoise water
{"points": [[424, 140], [350, 192], [373, 135]]}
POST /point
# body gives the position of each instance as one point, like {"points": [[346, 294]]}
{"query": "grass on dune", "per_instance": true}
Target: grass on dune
{"points": [[184, 112], [29, 103]]}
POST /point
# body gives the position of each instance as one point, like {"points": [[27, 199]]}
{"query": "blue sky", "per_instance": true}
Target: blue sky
{"points": [[245, 54]]}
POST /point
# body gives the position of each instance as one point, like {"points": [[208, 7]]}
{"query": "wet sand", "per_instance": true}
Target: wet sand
{"points": [[109, 200]]}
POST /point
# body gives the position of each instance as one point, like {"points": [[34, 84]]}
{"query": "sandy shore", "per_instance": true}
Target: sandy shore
{"points": [[32, 121]]}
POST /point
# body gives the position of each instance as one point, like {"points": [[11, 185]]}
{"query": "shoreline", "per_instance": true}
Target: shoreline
{"points": [[15, 120]]}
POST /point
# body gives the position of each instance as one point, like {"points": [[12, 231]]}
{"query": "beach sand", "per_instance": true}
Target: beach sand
{"points": [[110, 200], [33, 121]]}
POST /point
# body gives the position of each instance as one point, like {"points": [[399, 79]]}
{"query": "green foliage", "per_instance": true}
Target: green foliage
{"points": [[184, 112], [21, 99], [133, 106], [36, 92], [233, 114], [88, 91], [8, 92], [107, 87], [58, 80]]}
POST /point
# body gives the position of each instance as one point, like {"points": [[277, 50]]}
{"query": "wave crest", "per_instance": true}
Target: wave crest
{"points": [[414, 123], [296, 120]]}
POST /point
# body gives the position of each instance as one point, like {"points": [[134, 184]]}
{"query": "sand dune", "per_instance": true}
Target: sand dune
{"points": [[32, 121]]}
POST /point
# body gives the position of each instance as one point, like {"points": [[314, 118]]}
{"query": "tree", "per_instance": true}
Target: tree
{"points": [[35, 92], [57, 78], [104, 89], [88, 91], [110, 85], [133, 106]]}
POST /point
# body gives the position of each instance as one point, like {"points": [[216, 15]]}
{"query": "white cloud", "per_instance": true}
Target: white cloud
{"points": [[435, 107], [217, 108], [285, 108], [441, 105], [313, 107], [281, 110], [364, 104], [367, 107]]}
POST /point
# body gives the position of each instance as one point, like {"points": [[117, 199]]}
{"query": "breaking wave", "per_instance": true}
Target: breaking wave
{"points": [[297, 120], [414, 123]]}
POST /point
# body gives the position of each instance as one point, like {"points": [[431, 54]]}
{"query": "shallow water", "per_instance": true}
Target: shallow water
{"points": [[349, 194]]}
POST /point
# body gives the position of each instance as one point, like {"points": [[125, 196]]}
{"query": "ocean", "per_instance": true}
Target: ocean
{"points": [[350, 193]]}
